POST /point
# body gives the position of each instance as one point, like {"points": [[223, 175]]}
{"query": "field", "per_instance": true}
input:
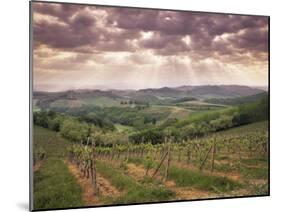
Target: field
{"points": [[101, 148], [127, 175], [54, 186]]}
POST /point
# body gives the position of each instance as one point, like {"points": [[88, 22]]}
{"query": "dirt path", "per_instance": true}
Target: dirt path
{"points": [[104, 186], [182, 193], [106, 189], [137, 172]]}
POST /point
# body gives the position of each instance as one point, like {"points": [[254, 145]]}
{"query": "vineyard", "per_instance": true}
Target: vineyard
{"points": [[227, 163], [134, 106]]}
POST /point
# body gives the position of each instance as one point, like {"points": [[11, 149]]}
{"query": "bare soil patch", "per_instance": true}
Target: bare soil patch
{"points": [[137, 172], [37, 166]]}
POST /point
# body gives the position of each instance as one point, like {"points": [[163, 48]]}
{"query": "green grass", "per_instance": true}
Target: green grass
{"points": [[225, 167], [184, 177], [259, 189], [123, 128], [134, 192], [255, 161], [202, 115], [141, 161], [222, 157], [50, 141], [117, 178], [255, 173], [245, 129], [197, 179], [145, 195], [55, 187]]}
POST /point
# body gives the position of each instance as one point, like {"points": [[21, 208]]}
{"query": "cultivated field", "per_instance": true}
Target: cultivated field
{"points": [[136, 151]]}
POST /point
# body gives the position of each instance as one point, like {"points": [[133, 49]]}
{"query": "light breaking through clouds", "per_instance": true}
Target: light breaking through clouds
{"points": [[95, 47]]}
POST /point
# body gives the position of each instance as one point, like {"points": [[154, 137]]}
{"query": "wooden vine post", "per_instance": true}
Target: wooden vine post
{"points": [[78, 162], [142, 149], [205, 158], [127, 152], [168, 161], [265, 149], [188, 152], [179, 153], [213, 155], [239, 157], [160, 164], [162, 159], [93, 168], [113, 151]]}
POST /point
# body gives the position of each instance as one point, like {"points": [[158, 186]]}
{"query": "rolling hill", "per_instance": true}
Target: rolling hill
{"points": [[160, 96], [238, 100]]}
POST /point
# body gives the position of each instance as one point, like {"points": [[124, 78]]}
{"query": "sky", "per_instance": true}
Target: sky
{"points": [[95, 47]]}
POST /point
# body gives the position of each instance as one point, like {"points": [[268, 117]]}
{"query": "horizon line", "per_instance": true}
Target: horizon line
{"points": [[114, 89]]}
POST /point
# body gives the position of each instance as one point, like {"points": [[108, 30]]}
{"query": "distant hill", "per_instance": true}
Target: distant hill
{"points": [[164, 92], [238, 100], [164, 95], [222, 91], [203, 92], [265, 88]]}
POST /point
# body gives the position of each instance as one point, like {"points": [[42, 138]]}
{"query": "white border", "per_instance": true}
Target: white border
{"points": [[15, 104]]}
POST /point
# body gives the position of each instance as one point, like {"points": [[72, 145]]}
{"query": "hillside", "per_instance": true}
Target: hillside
{"points": [[165, 95], [237, 100]]}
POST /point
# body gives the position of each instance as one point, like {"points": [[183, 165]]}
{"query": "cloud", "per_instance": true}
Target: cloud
{"points": [[101, 39], [122, 27]]}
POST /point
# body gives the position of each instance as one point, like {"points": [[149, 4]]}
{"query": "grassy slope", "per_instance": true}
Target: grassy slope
{"points": [[54, 186], [50, 141], [135, 192], [238, 100], [185, 177], [257, 126], [123, 128], [94, 101]]}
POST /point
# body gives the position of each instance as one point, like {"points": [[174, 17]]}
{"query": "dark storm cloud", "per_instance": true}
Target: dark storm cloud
{"points": [[182, 23], [79, 29], [252, 39], [172, 23], [158, 41], [76, 30], [219, 24], [202, 29], [86, 46], [61, 11], [133, 19], [73, 28], [63, 36]]}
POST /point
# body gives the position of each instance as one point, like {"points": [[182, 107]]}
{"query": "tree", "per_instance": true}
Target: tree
{"points": [[74, 131]]}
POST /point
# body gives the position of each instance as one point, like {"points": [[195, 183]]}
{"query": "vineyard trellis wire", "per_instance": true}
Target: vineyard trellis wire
{"points": [[197, 152]]}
